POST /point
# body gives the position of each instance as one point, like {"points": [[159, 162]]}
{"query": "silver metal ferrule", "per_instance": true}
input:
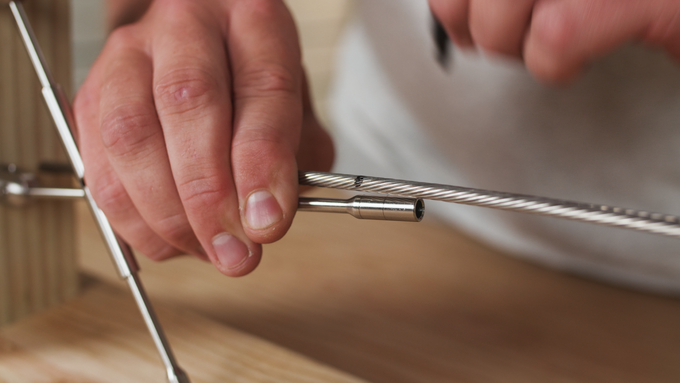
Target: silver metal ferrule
{"points": [[368, 207]]}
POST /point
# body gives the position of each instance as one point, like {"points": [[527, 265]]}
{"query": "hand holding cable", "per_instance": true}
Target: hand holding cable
{"points": [[193, 123]]}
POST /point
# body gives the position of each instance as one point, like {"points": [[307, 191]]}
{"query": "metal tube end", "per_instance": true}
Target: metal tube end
{"points": [[387, 208]]}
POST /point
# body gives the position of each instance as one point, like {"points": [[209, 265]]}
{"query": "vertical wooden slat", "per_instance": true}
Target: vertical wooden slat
{"points": [[44, 16], [6, 119], [25, 263], [37, 252], [14, 222], [68, 275]]}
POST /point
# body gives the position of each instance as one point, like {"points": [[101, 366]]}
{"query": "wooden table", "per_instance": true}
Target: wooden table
{"points": [[381, 301], [100, 337], [403, 302]]}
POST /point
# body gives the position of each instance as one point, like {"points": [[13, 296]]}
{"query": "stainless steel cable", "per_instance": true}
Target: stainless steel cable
{"points": [[588, 212]]}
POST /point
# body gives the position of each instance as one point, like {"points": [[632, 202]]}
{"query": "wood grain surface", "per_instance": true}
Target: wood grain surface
{"points": [[100, 338], [403, 302], [37, 252]]}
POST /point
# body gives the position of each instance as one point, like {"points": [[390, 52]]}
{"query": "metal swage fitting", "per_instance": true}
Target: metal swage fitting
{"points": [[601, 214], [381, 208]]}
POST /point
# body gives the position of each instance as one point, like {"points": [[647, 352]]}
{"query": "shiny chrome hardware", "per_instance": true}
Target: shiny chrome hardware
{"points": [[368, 207]]}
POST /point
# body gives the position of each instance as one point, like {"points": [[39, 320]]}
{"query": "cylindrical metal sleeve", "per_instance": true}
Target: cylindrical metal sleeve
{"points": [[388, 208], [368, 207]]}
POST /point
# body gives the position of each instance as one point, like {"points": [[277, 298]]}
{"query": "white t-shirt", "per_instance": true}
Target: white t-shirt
{"points": [[612, 137]]}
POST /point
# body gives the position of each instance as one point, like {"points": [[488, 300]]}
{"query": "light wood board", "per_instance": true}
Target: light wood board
{"points": [[100, 338]]}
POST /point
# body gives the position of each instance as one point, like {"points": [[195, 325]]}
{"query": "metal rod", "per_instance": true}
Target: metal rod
{"points": [[121, 253], [601, 214], [174, 373], [60, 193]]}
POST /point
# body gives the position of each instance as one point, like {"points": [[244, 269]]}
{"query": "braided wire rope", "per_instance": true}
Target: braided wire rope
{"points": [[595, 213]]}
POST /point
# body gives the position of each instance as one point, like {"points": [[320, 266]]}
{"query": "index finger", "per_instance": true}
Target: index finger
{"points": [[267, 76], [192, 97]]}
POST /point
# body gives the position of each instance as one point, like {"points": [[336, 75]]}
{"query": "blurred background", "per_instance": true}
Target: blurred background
{"points": [[319, 22]]}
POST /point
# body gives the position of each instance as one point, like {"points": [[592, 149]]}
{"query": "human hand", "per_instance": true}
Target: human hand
{"points": [[192, 124], [558, 38]]}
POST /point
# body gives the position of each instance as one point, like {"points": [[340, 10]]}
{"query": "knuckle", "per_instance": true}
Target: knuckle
{"points": [[264, 9], [140, 236], [85, 98], [483, 38], [109, 192], [85, 106], [266, 79], [664, 29], [492, 40], [158, 252], [451, 13], [555, 28], [122, 37], [551, 52], [184, 90], [261, 140], [201, 191], [127, 130], [161, 254], [262, 154], [488, 33], [176, 229], [178, 7]]}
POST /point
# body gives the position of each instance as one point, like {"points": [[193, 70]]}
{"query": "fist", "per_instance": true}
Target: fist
{"points": [[558, 38]]}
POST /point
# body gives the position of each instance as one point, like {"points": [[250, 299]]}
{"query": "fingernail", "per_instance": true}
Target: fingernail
{"points": [[262, 210], [231, 252]]}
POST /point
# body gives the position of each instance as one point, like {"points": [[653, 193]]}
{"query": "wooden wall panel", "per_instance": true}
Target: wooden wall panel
{"points": [[37, 252]]}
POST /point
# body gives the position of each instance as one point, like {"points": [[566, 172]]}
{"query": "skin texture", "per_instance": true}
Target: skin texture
{"points": [[558, 38], [186, 114]]}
